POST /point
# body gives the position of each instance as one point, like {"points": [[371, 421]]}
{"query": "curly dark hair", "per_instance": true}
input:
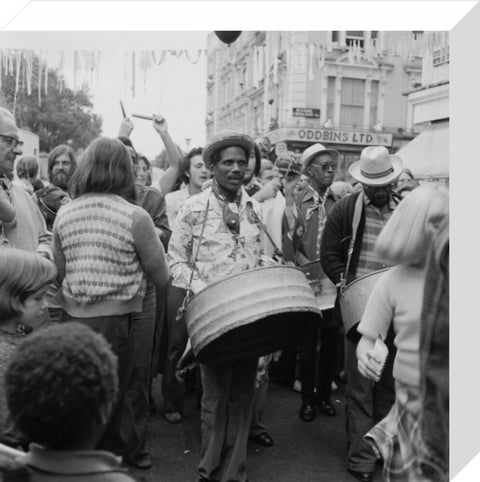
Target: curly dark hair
{"points": [[61, 384], [185, 163]]}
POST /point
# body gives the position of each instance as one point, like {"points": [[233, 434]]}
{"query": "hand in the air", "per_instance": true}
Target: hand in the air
{"points": [[160, 124], [126, 127]]}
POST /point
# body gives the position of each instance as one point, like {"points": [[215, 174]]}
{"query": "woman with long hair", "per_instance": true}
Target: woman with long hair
{"points": [[105, 248]]}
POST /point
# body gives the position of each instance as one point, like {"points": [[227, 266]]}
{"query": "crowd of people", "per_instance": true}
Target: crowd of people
{"points": [[100, 253]]}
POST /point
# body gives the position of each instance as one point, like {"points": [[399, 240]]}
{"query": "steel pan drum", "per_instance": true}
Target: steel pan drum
{"points": [[250, 314], [354, 297], [324, 290]]}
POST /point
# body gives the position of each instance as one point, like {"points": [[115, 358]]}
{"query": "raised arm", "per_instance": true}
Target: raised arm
{"points": [[170, 176]]}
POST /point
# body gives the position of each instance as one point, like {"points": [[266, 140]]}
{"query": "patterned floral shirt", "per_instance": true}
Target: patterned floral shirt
{"points": [[221, 252]]}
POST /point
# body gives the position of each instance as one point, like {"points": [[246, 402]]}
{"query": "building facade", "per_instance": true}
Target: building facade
{"points": [[345, 89], [427, 156]]}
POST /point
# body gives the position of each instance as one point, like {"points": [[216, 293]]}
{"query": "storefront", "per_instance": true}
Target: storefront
{"points": [[349, 144]]}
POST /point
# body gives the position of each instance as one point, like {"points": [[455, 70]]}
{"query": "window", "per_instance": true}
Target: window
{"points": [[335, 36], [441, 56], [351, 109], [355, 37], [374, 102], [331, 98]]}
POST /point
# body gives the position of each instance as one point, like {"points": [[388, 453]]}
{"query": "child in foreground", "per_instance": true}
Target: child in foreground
{"points": [[24, 280], [61, 384]]}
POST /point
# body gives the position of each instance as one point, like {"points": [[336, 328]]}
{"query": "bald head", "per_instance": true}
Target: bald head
{"points": [[9, 142]]}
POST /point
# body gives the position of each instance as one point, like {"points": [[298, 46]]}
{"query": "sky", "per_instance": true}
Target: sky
{"points": [[176, 90]]}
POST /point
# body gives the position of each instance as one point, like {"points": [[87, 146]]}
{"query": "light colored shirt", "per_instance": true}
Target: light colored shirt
{"points": [[174, 201], [398, 297], [273, 210], [221, 252]]}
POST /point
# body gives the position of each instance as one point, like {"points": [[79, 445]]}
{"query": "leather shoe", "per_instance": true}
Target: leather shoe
{"points": [[172, 417], [361, 476], [307, 412], [142, 461], [326, 408], [263, 439]]}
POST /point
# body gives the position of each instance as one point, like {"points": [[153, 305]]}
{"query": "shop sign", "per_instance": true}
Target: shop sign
{"points": [[306, 112], [280, 148], [331, 136]]}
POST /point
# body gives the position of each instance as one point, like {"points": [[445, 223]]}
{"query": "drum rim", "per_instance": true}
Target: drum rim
{"points": [[249, 271], [378, 271]]}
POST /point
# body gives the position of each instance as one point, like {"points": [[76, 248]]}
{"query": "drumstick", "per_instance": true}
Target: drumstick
{"points": [[123, 110], [141, 116]]}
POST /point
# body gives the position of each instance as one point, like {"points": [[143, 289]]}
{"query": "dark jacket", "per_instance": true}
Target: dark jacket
{"points": [[434, 360], [336, 240], [153, 201], [307, 242]]}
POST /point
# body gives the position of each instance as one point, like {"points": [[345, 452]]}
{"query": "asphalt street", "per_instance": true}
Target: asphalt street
{"points": [[303, 451]]}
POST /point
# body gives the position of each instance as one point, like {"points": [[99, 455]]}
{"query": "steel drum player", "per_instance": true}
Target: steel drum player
{"points": [[216, 228]]}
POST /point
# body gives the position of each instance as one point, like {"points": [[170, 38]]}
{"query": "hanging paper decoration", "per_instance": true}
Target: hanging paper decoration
{"points": [[133, 74], [28, 70], [199, 53]]}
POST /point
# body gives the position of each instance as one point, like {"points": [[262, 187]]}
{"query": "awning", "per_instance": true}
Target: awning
{"points": [[427, 155]]}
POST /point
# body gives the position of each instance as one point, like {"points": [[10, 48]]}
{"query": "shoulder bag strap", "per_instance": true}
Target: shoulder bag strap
{"points": [[357, 214]]}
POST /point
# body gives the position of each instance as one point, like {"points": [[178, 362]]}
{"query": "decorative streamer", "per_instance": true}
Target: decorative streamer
{"points": [[46, 76], [39, 81], [199, 54], [17, 79], [276, 53], [133, 74], [311, 57], [28, 70], [159, 62]]}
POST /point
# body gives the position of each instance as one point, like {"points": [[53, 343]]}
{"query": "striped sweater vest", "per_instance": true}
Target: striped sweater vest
{"points": [[103, 272]]}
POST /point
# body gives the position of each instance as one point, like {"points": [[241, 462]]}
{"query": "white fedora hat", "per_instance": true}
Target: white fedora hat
{"points": [[312, 151], [376, 167]]}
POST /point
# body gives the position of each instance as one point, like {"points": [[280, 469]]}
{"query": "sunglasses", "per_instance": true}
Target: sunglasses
{"points": [[326, 165], [12, 141]]}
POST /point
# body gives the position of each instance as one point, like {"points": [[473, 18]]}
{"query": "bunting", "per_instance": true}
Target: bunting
{"points": [[86, 65]]}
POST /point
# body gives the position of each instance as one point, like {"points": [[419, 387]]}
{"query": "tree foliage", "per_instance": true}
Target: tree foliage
{"points": [[62, 116]]}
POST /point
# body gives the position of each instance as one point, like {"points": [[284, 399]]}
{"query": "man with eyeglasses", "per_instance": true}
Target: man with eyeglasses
{"points": [[348, 241], [315, 205], [21, 222]]}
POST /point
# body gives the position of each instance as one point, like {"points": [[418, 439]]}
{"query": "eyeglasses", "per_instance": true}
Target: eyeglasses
{"points": [[12, 141], [326, 166]]}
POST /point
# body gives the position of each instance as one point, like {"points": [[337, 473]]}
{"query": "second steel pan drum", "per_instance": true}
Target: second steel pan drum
{"points": [[324, 290], [250, 314], [353, 299]]}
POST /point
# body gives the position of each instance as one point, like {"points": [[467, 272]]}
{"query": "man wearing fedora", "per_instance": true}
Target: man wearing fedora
{"points": [[346, 253], [215, 236], [21, 222], [315, 205]]}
